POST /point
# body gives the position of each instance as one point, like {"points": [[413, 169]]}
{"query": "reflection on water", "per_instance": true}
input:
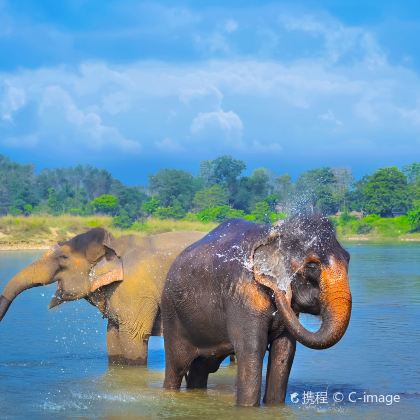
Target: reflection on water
{"points": [[53, 363]]}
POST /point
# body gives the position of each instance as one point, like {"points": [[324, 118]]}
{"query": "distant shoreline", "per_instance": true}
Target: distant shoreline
{"points": [[28, 246], [40, 232]]}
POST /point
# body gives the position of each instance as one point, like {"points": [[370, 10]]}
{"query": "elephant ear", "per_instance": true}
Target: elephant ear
{"points": [[107, 270], [269, 265], [108, 267]]}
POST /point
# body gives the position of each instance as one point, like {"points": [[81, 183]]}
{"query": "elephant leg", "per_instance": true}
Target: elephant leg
{"points": [[113, 343], [133, 348], [282, 353], [199, 371], [179, 354], [250, 354], [232, 359]]}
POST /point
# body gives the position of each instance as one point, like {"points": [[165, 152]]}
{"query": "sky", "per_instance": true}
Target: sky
{"points": [[133, 86]]}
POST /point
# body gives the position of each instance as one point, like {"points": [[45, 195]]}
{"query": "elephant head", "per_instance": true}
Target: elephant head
{"points": [[303, 254], [80, 266]]}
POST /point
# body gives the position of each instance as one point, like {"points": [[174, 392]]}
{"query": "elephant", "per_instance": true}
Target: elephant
{"points": [[240, 290], [123, 277]]}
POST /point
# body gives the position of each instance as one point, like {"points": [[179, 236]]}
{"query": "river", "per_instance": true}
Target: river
{"points": [[53, 364]]}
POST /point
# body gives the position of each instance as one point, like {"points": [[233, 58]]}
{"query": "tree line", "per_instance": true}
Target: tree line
{"points": [[221, 190]]}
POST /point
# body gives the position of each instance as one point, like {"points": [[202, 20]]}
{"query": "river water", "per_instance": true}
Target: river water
{"points": [[53, 363]]}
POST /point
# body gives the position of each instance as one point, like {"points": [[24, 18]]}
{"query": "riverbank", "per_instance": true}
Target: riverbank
{"points": [[41, 232]]}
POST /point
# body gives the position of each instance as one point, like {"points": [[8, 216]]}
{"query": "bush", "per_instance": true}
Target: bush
{"points": [[106, 204], [171, 212], [363, 228], [122, 221], [150, 205], [219, 213], [414, 219]]}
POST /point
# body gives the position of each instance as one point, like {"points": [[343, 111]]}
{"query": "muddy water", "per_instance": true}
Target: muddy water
{"points": [[53, 363]]}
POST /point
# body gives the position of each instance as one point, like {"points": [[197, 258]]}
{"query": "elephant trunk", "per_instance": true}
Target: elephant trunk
{"points": [[39, 273], [335, 299]]}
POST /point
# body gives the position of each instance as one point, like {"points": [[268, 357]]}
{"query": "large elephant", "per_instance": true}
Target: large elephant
{"points": [[123, 277], [217, 301]]}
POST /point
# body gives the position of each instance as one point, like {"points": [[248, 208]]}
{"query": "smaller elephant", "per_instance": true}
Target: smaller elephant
{"points": [[218, 300], [123, 277]]}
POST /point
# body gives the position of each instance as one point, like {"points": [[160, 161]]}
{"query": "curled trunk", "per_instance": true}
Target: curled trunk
{"points": [[335, 299], [39, 273]]}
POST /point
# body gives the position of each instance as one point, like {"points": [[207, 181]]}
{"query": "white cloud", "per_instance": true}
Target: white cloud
{"points": [[211, 125], [63, 123], [12, 99], [202, 97], [290, 106], [339, 40]]}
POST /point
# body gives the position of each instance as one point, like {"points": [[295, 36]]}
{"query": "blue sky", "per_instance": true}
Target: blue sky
{"points": [[135, 86]]}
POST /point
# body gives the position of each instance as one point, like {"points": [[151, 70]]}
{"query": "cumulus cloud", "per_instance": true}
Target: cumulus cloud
{"points": [[216, 125], [339, 41], [12, 99], [267, 105]]}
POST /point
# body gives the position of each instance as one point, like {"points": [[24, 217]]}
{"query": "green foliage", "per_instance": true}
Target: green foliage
{"points": [[219, 213], [374, 225], [262, 212], [253, 189], [363, 228], [223, 171], [213, 196], [175, 211], [386, 192], [316, 188], [123, 220], [220, 192], [54, 204], [105, 204], [414, 219], [17, 186], [150, 205], [172, 185]]}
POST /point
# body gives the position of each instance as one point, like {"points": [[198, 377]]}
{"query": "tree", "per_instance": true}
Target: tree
{"points": [[385, 192], [223, 171], [252, 189], [412, 172], [343, 181], [315, 190], [284, 187], [17, 186], [106, 203], [150, 205], [213, 196], [172, 186]]}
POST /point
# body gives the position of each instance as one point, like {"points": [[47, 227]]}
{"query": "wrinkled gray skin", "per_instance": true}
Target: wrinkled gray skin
{"points": [[225, 294], [122, 277]]}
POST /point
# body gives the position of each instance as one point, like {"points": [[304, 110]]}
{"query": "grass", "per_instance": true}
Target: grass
{"points": [[39, 231], [376, 228]]}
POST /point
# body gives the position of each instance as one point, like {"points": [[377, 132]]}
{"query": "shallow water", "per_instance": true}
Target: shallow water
{"points": [[53, 363]]}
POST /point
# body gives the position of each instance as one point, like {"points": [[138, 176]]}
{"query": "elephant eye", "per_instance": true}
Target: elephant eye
{"points": [[312, 265], [63, 259]]}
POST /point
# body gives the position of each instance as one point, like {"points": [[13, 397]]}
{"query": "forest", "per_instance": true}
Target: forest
{"points": [[221, 190]]}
